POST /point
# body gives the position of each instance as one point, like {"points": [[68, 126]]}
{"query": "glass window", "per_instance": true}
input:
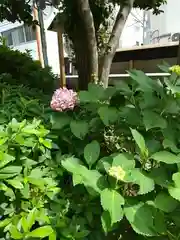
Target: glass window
{"points": [[19, 35], [8, 36], [30, 33]]}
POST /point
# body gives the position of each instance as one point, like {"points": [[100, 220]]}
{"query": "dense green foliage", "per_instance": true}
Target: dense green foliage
{"points": [[107, 170], [21, 102], [23, 70]]}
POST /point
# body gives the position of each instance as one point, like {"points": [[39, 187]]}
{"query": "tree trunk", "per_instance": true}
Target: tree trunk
{"points": [[88, 22], [83, 61], [114, 41]]}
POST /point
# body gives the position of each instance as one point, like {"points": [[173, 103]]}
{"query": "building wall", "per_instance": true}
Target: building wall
{"points": [[163, 24], [133, 30]]}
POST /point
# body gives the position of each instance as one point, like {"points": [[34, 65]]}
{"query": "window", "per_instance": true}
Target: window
{"points": [[19, 35]]}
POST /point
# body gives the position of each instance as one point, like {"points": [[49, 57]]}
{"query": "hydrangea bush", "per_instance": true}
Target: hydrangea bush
{"points": [[106, 167]]}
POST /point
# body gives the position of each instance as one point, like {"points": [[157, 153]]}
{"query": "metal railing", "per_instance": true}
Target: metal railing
{"points": [[127, 75]]}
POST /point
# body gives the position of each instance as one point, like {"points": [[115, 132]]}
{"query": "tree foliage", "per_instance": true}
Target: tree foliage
{"points": [[93, 26]]}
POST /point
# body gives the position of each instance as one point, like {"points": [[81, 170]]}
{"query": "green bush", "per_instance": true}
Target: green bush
{"points": [[25, 71], [123, 155], [21, 102], [107, 170]]}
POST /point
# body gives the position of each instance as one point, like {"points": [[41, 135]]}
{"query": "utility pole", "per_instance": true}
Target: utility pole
{"points": [[43, 35]]}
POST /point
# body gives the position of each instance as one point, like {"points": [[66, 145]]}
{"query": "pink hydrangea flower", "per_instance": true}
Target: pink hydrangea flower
{"points": [[64, 99]]}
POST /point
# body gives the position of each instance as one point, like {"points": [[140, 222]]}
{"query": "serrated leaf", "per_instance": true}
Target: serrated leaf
{"points": [[79, 128], [108, 115], [153, 120], [41, 232], [165, 202], [166, 157], [139, 141], [146, 184], [140, 217], [91, 152], [111, 201]]}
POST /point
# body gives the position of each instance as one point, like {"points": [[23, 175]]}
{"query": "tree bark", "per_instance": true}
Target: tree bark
{"points": [[112, 45], [87, 19]]}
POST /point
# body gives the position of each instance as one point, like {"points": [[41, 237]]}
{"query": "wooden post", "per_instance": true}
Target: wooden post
{"points": [[61, 56], [131, 64], [38, 38]]}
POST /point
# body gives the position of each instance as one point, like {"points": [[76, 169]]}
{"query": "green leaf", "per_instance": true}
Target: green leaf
{"points": [[145, 83], [124, 160], [139, 141], [5, 222], [90, 178], [166, 157], [165, 202], [111, 201], [85, 97], [41, 232], [175, 191], [52, 236], [106, 221], [165, 67], [153, 120], [24, 224], [31, 218], [167, 143], [79, 129], [9, 172], [140, 216], [146, 184], [104, 164], [5, 159], [91, 152], [160, 176], [15, 183], [96, 90], [59, 120], [15, 234], [108, 115]]}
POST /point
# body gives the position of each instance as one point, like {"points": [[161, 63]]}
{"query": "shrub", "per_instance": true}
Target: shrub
{"points": [[109, 169], [123, 157], [21, 102], [25, 71]]}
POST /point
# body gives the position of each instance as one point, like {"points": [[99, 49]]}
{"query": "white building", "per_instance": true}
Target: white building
{"points": [[164, 27], [133, 32], [23, 38]]}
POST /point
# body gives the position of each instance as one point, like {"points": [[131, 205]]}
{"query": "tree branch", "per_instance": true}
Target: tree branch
{"points": [[112, 45], [118, 27], [87, 18]]}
